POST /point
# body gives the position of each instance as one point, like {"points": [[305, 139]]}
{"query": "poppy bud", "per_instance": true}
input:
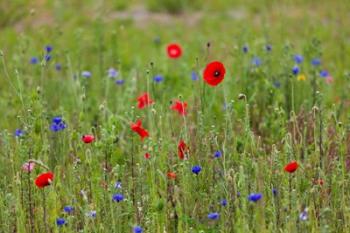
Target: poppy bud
{"points": [[242, 96]]}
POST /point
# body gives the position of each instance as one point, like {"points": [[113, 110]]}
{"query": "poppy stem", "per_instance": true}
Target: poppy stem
{"points": [[203, 97], [151, 75], [44, 206], [290, 192], [320, 143], [132, 178], [31, 215], [21, 188], [30, 203], [314, 89], [208, 51], [106, 168], [105, 185], [288, 96]]}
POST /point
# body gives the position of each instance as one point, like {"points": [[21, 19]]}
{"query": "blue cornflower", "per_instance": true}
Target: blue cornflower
{"points": [[91, 214], [256, 61], [196, 169], [238, 194], [316, 62], [57, 127], [303, 215], [19, 133], [254, 197], [274, 192], [60, 221], [58, 66], [34, 60], [277, 84], [118, 185], [119, 82], [57, 124], [245, 49], [48, 48], [213, 216], [158, 78], [298, 58], [223, 202], [68, 209], [295, 70], [324, 73], [112, 73], [217, 154], [137, 229], [57, 119], [194, 75], [47, 57], [268, 48], [86, 74], [118, 197]]}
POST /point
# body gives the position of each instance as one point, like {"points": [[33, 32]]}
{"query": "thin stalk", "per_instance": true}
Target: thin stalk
{"points": [[320, 143], [133, 178], [31, 215], [45, 211], [290, 192]]}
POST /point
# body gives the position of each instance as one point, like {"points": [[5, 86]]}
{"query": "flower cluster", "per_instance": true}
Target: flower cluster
{"points": [[57, 124]]}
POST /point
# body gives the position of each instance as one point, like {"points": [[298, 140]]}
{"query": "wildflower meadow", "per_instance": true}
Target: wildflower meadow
{"points": [[175, 116]]}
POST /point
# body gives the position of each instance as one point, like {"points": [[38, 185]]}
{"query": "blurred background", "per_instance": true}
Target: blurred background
{"points": [[280, 19]]}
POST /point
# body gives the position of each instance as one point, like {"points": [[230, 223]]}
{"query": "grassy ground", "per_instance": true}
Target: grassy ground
{"points": [[260, 117]]}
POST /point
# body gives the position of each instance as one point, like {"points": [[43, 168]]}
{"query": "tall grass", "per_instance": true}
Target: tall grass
{"points": [[260, 117]]}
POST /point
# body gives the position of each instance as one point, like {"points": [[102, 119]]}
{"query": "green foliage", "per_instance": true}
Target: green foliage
{"points": [[173, 6], [258, 125], [12, 11]]}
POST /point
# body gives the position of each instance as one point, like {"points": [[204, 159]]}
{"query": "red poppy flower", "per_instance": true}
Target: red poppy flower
{"points": [[171, 175], [174, 51], [291, 167], [44, 179], [88, 138], [137, 127], [147, 156], [182, 149], [180, 107], [144, 100], [214, 73]]}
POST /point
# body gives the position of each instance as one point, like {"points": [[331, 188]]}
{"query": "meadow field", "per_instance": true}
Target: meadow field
{"points": [[166, 116]]}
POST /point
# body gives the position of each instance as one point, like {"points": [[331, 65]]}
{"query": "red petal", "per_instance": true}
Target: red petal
{"points": [[291, 167], [171, 175], [88, 138], [144, 100], [180, 107], [209, 71], [137, 127], [44, 179], [174, 51], [182, 148]]}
